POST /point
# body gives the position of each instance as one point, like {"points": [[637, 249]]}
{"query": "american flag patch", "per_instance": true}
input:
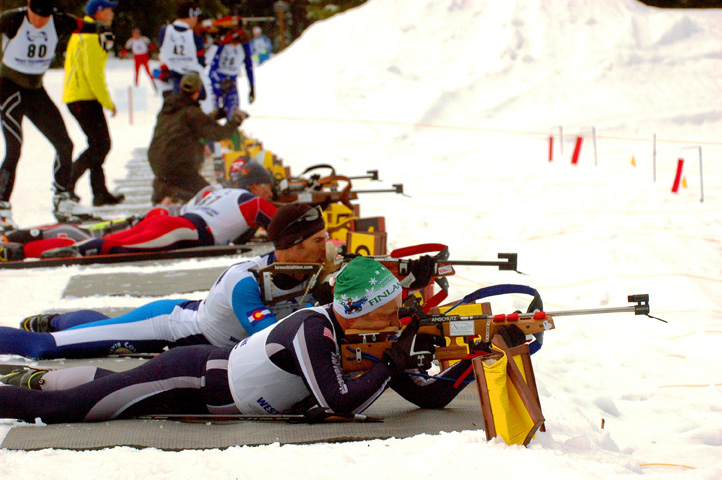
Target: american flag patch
{"points": [[328, 334], [255, 316]]}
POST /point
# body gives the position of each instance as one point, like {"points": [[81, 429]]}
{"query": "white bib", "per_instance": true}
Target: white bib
{"points": [[257, 385], [32, 50], [179, 51], [231, 59]]}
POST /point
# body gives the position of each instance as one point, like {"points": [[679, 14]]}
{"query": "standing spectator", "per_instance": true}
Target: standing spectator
{"points": [[140, 46], [261, 46], [86, 94], [232, 51], [176, 153], [32, 34], [181, 49]]}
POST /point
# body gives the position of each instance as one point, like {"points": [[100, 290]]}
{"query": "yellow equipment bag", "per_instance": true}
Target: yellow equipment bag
{"points": [[508, 395]]}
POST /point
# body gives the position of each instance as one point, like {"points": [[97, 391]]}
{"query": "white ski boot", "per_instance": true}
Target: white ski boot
{"points": [[68, 210], [6, 217]]}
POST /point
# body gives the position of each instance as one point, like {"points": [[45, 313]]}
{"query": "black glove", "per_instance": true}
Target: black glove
{"points": [[107, 40], [323, 293], [423, 271], [412, 349], [512, 335], [252, 95]]}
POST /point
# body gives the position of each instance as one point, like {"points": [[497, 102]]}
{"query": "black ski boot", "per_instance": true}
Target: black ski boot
{"points": [[40, 323], [11, 251], [27, 377], [108, 199], [62, 252]]}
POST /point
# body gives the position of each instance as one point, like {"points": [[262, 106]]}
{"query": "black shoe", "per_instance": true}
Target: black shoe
{"points": [[41, 323], [108, 199], [27, 377]]}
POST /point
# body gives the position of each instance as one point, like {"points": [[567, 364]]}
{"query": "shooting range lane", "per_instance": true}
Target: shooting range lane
{"points": [[154, 283], [401, 420]]}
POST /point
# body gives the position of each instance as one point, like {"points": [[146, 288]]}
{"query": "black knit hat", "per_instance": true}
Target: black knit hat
{"points": [[293, 223], [44, 8]]}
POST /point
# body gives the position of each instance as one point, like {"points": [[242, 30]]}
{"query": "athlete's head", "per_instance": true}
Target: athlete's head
{"points": [[254, 178], [43, 8], [367, 295], [189, 12], [298, 233], [101, 10]]}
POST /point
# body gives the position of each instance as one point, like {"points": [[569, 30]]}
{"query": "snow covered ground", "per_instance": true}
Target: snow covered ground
{"points": [[456, 99]]}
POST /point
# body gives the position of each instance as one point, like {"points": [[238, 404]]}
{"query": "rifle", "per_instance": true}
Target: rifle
{"points": [[265, 280], [400, 267], [308, 417], [370, 174], [319, 190], [470, 323]]}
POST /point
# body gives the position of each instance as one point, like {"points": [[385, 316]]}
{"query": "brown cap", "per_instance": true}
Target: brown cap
{"points": [[191, 82], [294, 223]]}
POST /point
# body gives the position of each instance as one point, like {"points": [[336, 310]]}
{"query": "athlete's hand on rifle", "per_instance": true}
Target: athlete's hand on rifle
{"points": [[422, 269], [412, 349], [323, 293]]}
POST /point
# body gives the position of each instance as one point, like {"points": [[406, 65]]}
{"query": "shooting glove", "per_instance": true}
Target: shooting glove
{"points": [[252, 95], [422, 270], [512, 335], [323, 293], [412, 349]]}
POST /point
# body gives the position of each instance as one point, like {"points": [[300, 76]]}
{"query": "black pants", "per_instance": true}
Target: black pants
{"points": [[187, 380], [16, 103], [90, 116]]}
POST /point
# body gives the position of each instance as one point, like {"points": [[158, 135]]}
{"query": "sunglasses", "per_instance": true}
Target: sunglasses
{"points": [[310, 216], [194, 12]]}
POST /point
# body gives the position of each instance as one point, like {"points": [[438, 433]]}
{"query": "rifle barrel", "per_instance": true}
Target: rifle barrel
{"points": [[591, 311]]}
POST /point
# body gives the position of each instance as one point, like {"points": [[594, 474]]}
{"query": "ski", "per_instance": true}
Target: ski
{"points": [[195, 252]]}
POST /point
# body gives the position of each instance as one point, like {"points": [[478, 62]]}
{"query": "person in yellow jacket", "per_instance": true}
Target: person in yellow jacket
{"points": [[86, 94]]}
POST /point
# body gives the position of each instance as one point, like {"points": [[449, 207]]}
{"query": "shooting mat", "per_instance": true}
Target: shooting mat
{"points": [[401, 420]]}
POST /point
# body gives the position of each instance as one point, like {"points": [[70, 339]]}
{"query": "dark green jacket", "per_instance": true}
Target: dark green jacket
{"points": [[176, 145]]}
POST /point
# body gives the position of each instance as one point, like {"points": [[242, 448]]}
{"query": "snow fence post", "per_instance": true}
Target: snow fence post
{"points": [[701, 179], [678, 175], [130, 105], [577, 149]]}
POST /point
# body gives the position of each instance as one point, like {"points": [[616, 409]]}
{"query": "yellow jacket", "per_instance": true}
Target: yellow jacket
{"points": [[85, 70]]}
